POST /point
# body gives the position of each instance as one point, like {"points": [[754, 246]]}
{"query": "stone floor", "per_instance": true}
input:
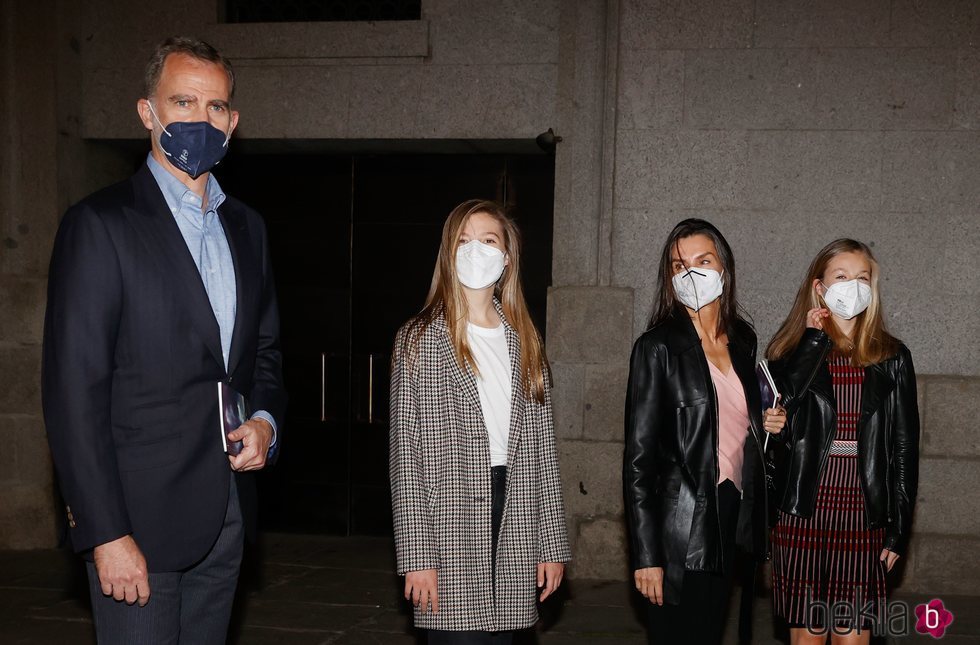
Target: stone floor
{"points": [[313, 589]]}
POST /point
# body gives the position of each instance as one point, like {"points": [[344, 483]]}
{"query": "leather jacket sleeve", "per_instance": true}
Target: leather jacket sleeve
{"points": [[644, 402], [904, 455], [796, 372]]}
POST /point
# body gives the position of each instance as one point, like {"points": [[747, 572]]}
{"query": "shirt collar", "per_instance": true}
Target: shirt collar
{"points": [[179, 196]]}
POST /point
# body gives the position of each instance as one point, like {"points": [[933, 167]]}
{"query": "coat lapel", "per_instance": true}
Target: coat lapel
{"points": [[463, 376], [750, 384], [823, 384], [467, 380], [517, 387], [875, 389], [166, 246]]}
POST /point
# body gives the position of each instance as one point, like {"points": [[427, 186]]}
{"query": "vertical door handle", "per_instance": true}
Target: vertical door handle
{"points": [[323, 387], [370, 388]]}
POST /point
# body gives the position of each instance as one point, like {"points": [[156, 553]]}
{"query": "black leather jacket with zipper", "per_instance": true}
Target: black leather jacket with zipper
{"points": [[887, 435], [670, 470]]}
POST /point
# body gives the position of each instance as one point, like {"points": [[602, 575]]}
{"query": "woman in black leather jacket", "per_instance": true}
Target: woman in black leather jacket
{"points": [[847, 482], [693, 475]]}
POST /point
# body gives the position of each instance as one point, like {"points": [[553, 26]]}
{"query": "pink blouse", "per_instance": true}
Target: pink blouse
{"points": [[733, 424]]}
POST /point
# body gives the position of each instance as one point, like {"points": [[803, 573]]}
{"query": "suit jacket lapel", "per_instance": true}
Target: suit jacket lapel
{"points": [[166, 245], [237, 235]]}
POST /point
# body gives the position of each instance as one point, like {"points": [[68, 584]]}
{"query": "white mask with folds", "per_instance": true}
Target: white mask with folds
{"points": [[847, 299], [479, 265], [697, 288]]}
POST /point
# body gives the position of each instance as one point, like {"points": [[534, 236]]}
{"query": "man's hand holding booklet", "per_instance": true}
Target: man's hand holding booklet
{"points": [[233, 413]]}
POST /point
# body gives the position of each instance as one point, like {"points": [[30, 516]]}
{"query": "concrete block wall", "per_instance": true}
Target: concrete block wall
{"points": [[787, 124]]}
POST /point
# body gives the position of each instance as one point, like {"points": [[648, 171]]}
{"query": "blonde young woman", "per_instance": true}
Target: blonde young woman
{"points": [[848, 483], [476, 496]]}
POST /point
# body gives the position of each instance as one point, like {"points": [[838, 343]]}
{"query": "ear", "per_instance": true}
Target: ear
{"points": [[819, 288], [234, 122], [143, 109]]}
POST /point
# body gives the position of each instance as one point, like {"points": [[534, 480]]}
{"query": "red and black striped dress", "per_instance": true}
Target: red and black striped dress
{"points": [[834, 555]]}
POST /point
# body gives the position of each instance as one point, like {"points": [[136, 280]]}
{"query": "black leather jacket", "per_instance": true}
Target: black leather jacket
{"points": [[887, 434], [670, 469]]}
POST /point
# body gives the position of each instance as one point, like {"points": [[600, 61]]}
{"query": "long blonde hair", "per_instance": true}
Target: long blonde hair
{"points": [[871, 343], [446, 296]]}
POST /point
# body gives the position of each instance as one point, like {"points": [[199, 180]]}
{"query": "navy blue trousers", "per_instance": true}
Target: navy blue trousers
{"points": [[186, 607]]}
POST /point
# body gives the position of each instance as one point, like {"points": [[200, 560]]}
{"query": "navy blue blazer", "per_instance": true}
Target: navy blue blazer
{"points": [[131, 360]]}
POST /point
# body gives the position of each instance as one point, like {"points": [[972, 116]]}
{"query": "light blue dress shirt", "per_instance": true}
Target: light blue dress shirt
{"points": [[206, 241]]}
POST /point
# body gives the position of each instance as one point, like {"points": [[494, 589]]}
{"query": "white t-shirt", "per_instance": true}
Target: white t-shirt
{"points": [[489, 347]]}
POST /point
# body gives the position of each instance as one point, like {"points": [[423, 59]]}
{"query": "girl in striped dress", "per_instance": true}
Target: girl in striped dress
{"points": [[847, 481]]}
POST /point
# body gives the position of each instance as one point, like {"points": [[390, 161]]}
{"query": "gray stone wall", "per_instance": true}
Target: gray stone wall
{"points": [[28, 216], [45, 166], [946, 531], [786, 122], [468, 70]]}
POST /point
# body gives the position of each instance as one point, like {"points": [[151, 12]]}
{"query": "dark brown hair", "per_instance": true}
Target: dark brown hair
{"points": [[182, 45], [666, 301]]}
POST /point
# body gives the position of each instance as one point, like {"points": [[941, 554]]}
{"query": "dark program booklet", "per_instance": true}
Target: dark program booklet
{"points": [[767, 388], [233, 413]]}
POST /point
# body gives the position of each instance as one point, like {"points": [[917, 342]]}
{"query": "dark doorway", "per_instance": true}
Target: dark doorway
{"points": [[353, 240]]}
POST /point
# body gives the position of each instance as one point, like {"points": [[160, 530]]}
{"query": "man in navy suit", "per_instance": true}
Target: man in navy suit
{"points": [[161, 288]]}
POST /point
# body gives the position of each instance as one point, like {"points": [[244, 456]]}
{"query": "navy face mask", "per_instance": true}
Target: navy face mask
{"points": [[194, 147]]}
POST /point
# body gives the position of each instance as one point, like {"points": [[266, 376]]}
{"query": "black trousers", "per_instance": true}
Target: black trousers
{"points": [[439, 637], [699, 618], [498, 494], [185, 607]]}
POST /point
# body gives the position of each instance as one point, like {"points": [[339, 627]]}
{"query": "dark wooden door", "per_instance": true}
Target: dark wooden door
{"points": [[353, 242]]}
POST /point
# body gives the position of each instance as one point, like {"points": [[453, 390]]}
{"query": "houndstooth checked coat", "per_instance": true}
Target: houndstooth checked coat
{"points": [[440, 487]]}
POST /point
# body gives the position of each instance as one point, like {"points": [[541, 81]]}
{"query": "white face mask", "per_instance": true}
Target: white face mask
{"points": [[697, 288], [478, 265], [847, 299]]}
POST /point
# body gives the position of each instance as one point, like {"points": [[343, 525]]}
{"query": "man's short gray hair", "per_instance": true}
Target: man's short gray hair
{"points": [[183, 45]]}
